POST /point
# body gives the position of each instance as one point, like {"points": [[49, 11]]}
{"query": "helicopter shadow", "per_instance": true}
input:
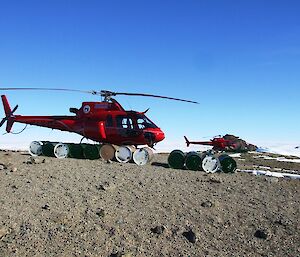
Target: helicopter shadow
{"points": [[160, 164]]}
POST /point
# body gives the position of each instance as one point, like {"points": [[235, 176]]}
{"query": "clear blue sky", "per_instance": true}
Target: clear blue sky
{"points": [[239, 59]]}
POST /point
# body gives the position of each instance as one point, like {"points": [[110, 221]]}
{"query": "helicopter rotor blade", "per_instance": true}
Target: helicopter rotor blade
{"points": [[104, 93], [52, 89], [156, 96]]}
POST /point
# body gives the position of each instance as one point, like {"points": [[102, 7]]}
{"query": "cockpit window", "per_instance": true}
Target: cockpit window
{"points": [[124, 122], [143, 122]]}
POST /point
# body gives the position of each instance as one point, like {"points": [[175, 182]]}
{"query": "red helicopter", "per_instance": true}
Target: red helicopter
{"points": [[105, 121], [218, 143], [228, 143]]}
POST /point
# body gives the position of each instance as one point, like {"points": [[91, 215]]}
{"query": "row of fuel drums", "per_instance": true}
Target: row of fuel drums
{"points": [[107, 152], [209, 162]]}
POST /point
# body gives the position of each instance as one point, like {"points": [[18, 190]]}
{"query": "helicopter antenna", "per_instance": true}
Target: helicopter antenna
{"points": [[107, 95]]}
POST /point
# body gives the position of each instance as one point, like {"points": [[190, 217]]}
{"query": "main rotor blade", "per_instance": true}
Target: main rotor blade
{"points": [[103, 93], [157, 96], [51, 89]]}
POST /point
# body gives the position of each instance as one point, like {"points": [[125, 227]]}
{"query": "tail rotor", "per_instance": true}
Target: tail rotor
{"points": [[9, 114], [187, 141]]}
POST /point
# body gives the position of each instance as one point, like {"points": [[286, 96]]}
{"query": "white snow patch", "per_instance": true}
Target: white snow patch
{"points": [[271, 174], [288, 149], [279, 159], [283, 159], [237, 155], [262, 167]]}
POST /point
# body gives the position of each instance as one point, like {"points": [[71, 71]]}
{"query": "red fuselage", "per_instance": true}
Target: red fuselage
{"points": [[105, 122]]}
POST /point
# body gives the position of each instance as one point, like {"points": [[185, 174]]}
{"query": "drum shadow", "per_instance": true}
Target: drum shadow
{"points": [[160, 164]]}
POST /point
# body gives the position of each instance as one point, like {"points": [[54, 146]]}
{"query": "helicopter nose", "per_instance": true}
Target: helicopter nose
{"points": [[159, 136]]}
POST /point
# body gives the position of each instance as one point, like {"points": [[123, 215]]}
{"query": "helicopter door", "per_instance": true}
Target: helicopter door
{"points": [[125, 126], [110, 129]]}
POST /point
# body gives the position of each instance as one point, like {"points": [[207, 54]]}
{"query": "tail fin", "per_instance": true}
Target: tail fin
{"points": [[187, 141], [8, 114], [6, 106]]}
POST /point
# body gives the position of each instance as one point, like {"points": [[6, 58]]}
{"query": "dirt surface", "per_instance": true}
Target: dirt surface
{"points": [[69, 207]]}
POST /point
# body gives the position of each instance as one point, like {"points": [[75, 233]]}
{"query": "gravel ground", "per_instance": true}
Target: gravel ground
{"points": [[54, 207]]}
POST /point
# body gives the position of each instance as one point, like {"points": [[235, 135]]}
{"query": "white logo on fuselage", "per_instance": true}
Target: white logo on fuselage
{"points": [[86, 109]]}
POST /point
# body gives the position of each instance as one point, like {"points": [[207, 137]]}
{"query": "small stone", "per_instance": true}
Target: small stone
{"points": [[105, 186], [127, 255], [283, 221], [120, 221], [31, 160], [215, 180], [100, 213], [262, 234], [272, 179], [207, 204], [14, 169], [158, 230], [117, 254], [25, 228], [39, 161], [46, 207], [112, 231], [3, 166], [190, 236], [121, 254]]}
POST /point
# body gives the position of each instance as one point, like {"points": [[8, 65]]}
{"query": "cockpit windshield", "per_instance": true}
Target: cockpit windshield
{"points": [[143, 122]]}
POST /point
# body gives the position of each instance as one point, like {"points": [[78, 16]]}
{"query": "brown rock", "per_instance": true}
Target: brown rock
{"points": [[3, 232], [14, 169]]}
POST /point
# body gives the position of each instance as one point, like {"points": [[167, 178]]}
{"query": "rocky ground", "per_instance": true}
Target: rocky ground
{"points": [[69, 207]]}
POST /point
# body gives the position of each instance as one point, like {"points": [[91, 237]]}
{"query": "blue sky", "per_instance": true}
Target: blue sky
{"points": [[239, 59]]}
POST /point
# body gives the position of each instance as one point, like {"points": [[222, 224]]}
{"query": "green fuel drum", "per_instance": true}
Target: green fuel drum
{"points": [[193, 161], [48, 148], [91, 152], [228, 164], [176, 159]]}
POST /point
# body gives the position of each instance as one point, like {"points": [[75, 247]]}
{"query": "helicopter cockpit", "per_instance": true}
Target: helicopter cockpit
{"points": [[143, 122], [139, 121]]}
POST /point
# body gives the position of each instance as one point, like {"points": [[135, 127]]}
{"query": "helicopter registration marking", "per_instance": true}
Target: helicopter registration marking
{"points": [[86, 109], [101, 106]]}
